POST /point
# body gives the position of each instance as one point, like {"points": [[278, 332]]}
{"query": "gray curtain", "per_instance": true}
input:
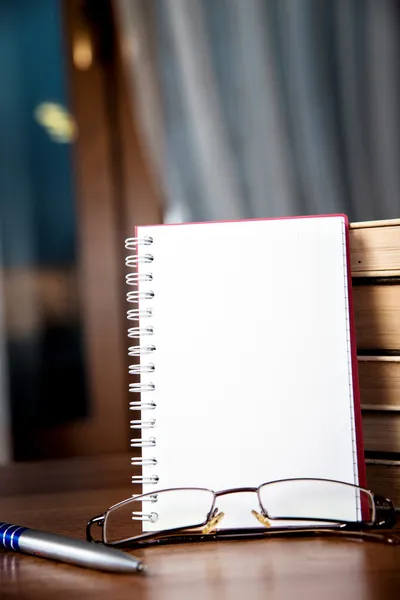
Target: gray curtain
{"points": [[265, 108]]}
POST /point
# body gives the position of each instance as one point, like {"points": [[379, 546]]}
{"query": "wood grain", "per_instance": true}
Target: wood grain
{"points": [[375, 249], [379, 382], [381, 432], [277, 570], [383, 477], [377, 317], [83, 473]]}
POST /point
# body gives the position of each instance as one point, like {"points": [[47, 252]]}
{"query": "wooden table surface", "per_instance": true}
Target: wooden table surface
{"points": [[60, 497]]}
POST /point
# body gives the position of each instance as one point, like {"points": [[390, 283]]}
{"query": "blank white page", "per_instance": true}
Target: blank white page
{"points": [[253, 377]]}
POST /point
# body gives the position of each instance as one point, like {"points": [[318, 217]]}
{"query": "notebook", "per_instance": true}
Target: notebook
{"points": [[244, 340]]}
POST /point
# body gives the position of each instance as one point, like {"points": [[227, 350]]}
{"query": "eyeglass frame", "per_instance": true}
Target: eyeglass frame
{"points": [[360, 528]]}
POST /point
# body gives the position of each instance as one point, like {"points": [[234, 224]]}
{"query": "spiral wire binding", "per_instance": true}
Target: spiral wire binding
{"points": [[143, 443], [139, 461], [150, 517], [140, 330]]}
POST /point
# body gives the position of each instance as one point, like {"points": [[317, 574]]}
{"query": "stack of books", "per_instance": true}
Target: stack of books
{"points": [[375, 262]]}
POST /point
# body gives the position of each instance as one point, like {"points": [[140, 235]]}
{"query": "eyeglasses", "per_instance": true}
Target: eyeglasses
{"points": [[284, 507]]}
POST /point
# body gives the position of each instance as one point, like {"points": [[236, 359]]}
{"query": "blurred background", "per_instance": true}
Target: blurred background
{"points": [[116, 113]]}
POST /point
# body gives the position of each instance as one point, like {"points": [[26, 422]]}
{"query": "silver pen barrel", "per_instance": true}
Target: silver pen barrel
{"points": [[77, 552]]}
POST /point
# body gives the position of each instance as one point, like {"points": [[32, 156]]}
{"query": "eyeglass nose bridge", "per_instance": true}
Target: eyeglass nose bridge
{"points": [[230, 491], [262, 518], [242, 490]]}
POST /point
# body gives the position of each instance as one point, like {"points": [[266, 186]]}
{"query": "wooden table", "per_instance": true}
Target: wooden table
{"points": [[61, 496]]}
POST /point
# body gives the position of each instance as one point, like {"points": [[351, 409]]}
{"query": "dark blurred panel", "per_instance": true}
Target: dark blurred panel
{"points": [[38, 222]]}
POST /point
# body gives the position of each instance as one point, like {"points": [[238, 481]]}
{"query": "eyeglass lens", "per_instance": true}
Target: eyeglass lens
{"points": [[316, 499]]}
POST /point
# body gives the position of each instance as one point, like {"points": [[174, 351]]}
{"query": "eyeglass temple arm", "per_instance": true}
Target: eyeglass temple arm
{"points": [[99, 519]]}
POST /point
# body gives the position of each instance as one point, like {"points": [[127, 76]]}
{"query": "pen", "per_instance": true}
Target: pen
{"points": [[68, 550]]}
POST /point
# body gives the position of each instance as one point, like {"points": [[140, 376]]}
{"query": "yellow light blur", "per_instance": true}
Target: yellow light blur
{"points": [[82, 52], [57, 121]]}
